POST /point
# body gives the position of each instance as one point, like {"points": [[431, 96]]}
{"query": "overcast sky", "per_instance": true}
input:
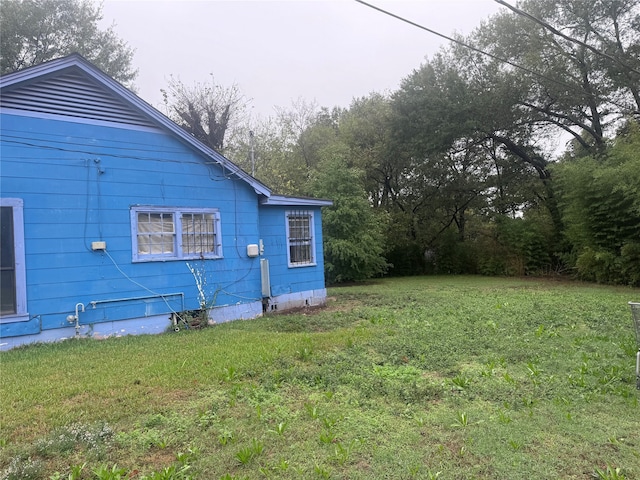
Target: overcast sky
{"points": [[279, 51]]}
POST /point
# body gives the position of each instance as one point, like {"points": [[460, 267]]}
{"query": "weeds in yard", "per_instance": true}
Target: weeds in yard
{"points": [[23, 469], [177, 471], [93, 439], [461, 382], [280, 428], [103, 472], [533, 370], [343, 452], [75, 474], [321, 472], [450, 381], [246, 454], [329, 421], [462, 420], [327, 436], [609, 473], [312, 410], [420, 420], [508, 378], [173, 472], [225, 437], [143, 439], [489, 370], [207, 419], [504, 418], [229, 374], [515, 445]]}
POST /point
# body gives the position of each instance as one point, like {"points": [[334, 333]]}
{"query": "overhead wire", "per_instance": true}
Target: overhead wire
{"points": [[13, 140], [475, 49], [557, 32]]}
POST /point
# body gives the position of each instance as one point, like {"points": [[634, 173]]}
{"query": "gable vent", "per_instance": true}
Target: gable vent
{"points": [[73, 95]]}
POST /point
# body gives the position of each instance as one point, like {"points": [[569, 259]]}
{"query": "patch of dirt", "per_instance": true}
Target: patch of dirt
{"points": [[310, 310], [156, 459]]}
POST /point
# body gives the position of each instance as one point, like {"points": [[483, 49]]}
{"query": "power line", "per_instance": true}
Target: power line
{"points": [[471, 47], [78, 149], [557, 32]]}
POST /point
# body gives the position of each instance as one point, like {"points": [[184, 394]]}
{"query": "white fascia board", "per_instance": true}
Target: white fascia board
{"points": [[284, 200], [40, 70]]}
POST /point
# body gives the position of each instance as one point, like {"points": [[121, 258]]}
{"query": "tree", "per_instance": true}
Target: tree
{"points": [[467, 155], [366, 128], [35, 31], [285, 148], [209, 111], [580, 59], [352, 230], [600, 201], [477, 128], [275, 162]]}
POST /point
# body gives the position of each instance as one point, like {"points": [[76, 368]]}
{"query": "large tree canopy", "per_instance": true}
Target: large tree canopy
{"points": [[34, 31], [580, 59], [477, 134], [523, 161]]}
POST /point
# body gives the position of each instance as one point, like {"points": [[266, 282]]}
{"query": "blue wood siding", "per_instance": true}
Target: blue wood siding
{"points": [[285, 279], [79, 181]]}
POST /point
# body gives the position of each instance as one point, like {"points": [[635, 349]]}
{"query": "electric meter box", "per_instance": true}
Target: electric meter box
{"points": [[253, 250]]}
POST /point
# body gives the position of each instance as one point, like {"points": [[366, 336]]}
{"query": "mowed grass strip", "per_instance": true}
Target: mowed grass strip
{"points": [[424, 377]]}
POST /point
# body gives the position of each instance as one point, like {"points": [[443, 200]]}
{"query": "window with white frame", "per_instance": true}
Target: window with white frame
{"points": [[162, 233], [13, 288], [300, 251]]}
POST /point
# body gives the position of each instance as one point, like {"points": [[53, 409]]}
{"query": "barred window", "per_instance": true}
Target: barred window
{"points": [[300, 242], [198, 233], [161, 233]]}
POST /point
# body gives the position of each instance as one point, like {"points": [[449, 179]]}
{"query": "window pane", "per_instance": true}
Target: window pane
{"points": [[198, 234], [8, 302], [7, 292], [156, 233], [300, 253], [300, 241]]}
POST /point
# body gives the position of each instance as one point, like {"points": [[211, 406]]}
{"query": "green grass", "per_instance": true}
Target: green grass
{"points": [[432, 377]]}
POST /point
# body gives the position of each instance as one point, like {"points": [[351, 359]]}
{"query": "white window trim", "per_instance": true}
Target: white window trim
{"points": [[312, 263], [177, 225], [21, 314]]}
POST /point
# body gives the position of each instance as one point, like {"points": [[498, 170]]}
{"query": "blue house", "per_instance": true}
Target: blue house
{"points": [[116, 221]]}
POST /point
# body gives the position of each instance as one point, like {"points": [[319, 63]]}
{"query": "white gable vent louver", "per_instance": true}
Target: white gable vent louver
{"points": [[72, 95]]}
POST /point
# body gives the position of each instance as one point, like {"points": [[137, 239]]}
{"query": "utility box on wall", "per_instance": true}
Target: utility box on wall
{"points": [[264, 277], [253, 250]]}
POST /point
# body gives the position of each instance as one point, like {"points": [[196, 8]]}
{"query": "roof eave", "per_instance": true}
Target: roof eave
{"points": [[76, 60], [285, 200]]}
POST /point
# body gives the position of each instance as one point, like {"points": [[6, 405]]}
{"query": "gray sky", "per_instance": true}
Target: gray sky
{"points": [[279, 51]]}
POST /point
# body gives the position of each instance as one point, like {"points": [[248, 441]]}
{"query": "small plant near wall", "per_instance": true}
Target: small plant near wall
{"points": [[197, 318], [190, 319]]}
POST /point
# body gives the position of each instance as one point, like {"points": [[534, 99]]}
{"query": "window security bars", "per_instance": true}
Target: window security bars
{"points": [[300, 237], [162, 233], [198, 234]]}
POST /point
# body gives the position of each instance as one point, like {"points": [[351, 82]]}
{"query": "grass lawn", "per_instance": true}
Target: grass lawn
{"points": [[424, 377]]}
